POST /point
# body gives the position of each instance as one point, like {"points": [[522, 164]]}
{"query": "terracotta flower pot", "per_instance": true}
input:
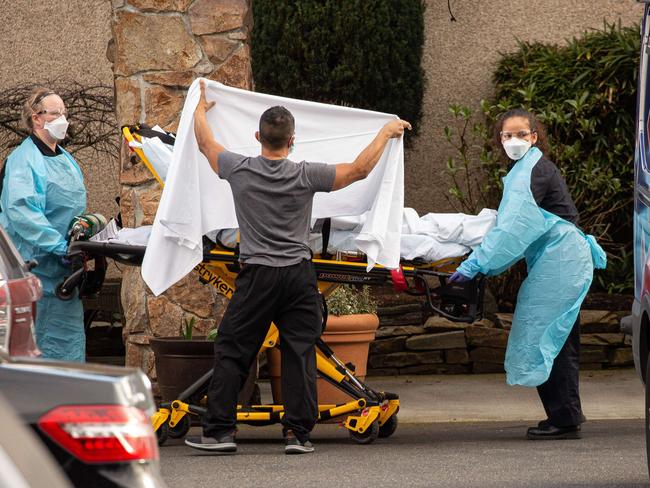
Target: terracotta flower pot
{"points": [[349, 336]]}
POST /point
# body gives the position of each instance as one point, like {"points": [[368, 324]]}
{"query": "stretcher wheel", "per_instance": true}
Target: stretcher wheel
{"points": [[181, 429], [61, 295], [162, 433], [389, 427], [366, 437]]}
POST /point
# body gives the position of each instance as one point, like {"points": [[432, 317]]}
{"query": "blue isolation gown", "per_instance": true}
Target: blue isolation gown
{"points": [[560, 259], [40, 196]]}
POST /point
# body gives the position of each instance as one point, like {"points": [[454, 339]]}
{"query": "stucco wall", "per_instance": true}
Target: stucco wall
{"points": [[460, 56], [63, 39]]}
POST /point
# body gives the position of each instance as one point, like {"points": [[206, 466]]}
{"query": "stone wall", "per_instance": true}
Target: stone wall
{"points": [[157, 49], [406, 345]]}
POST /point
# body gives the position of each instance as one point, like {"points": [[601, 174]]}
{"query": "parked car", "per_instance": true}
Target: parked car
{"points": [[19, 292], [20, 451], [638, 324], [94, 419]]}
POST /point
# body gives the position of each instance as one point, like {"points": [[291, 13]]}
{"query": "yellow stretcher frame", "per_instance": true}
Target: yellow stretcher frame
{"points": [[130, 135], [368, 415]]}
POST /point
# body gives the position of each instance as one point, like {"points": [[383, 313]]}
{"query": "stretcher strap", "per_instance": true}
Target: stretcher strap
{"points": [[145, 131], [327, 225]]}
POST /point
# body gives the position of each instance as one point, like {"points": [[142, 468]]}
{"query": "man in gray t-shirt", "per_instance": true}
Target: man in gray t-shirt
{"points": [[273, 200]]}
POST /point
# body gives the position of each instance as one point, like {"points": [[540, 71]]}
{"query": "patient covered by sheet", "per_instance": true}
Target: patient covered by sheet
{"points": [[432, 237]]}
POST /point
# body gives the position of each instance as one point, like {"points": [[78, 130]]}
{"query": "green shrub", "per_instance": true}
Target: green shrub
{"points": [[361, 53], [585, 94]]}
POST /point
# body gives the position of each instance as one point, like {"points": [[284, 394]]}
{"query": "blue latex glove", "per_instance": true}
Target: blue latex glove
{"points": [[458, 278]]}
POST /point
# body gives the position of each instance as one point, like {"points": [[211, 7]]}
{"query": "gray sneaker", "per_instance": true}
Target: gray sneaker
{"points": [[293, 445], [223, 444]]}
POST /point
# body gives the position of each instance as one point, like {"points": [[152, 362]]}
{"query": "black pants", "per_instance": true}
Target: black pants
{"points": [[288, 296], [560, 394]]}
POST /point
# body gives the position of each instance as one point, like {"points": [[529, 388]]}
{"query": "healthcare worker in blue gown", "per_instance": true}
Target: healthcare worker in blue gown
{"points": [[537, 220], [42, 190]]}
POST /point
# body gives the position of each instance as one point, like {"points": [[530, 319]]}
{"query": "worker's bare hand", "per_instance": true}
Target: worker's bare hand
{"points": [[203, 105], [395, 128]]}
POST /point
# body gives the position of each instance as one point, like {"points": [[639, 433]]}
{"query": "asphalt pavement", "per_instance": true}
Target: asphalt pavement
{"points": [[611, 454], [454, 431]]}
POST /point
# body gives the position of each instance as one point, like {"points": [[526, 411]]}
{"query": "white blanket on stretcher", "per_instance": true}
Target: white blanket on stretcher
{"points": [[196, 201], [431, 237]]}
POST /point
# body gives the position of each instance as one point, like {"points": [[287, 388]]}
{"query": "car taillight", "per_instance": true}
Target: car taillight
{"points": [[102, 433], [5, 316]]}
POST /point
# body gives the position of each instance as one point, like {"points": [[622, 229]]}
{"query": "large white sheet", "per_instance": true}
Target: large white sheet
{"points": [[196, 201], [432, 237]]}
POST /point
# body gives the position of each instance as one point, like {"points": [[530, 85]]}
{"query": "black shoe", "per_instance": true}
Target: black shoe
{"points": [[550, 432], [546, 422], [293, 445], [223, 444]]}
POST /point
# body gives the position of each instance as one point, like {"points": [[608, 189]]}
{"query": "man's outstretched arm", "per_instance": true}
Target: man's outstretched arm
{"points": [[206, 141], [348, 173]]}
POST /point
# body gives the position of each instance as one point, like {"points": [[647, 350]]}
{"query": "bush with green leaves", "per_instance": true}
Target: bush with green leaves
{"points": [[584, 92], [361, 53]]}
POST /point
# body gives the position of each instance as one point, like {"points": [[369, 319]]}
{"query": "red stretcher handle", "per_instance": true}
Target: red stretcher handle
{"points": [[399, 281]]}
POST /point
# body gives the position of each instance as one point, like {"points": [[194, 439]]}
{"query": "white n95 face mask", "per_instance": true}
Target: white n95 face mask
{"points": [[516, 148], [57, 128]]}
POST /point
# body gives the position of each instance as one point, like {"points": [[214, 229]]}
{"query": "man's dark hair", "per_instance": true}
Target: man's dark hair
{"points": [[276, 127]]}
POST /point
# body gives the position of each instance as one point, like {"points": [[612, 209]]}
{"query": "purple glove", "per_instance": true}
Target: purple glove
{"points": [[458, 277], [65, 261]]}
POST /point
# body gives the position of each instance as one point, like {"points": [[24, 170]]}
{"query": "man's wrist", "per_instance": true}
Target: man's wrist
{"points": [[384, 134]]}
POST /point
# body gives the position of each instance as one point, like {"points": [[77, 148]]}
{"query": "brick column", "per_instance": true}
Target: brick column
{"points": [[158, 47]]}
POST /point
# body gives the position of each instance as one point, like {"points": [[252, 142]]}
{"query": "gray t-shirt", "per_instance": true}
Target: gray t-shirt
{"points": [[273, 201]]}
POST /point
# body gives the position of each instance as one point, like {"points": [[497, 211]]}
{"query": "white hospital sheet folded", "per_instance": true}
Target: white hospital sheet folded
{"points": [[440, 235], [135, 237], [431, 237]]}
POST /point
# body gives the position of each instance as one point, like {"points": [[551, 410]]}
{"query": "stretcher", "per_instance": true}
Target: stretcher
{"points": [[369, 413]]}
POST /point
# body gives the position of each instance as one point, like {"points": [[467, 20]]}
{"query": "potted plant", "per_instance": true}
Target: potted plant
{"points": [[183, 359], [351, 325]]}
